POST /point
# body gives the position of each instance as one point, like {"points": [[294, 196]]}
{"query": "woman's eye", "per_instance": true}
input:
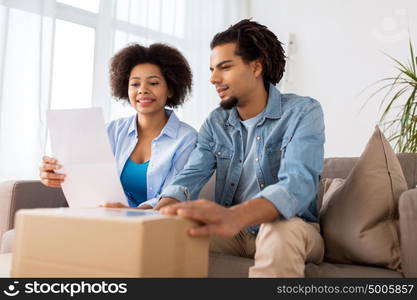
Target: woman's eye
{"points": [[154, 83], [134, 84]]}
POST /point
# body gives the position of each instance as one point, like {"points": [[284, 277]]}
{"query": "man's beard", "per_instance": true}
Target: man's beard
{"points": [[229, 103]]}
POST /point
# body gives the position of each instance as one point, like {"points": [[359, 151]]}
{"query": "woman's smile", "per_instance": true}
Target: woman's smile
{"points": [[145, 101]]}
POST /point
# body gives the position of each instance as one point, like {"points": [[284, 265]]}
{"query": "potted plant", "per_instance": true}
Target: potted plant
{"points": [[399, 104]]}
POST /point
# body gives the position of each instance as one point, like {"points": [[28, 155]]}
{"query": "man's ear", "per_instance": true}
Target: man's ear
{"points": [[257, 67]]}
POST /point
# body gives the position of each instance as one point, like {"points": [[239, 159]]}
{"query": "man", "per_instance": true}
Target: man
{"points": [[267, 150]]}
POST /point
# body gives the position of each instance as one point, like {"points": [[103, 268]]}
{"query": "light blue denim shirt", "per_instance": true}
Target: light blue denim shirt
{"points": [[290, 139], [169, 152]]}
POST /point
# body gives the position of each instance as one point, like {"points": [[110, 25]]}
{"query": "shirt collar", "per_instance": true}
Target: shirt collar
{"points": [[273, 108], [132, 126], [170, 129]]}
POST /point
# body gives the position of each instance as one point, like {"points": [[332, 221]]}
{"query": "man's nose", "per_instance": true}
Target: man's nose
{"points": [[214, 78]]}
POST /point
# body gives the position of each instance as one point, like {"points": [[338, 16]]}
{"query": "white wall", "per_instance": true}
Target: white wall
{"points": [[338, 53]]}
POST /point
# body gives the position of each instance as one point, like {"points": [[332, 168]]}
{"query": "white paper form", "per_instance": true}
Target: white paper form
{"points": [[80, 144]]}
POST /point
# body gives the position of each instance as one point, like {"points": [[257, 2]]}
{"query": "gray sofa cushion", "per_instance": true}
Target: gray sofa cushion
{"points": [[341, 270], [226, 266], [340, 167]]}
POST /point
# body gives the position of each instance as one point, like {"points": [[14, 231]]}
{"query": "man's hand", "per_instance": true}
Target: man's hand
{"points": [[216, 219], [164, 202], [120, 205]]}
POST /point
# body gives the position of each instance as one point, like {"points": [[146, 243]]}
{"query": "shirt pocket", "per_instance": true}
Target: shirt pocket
{"points": [[275, 153], [224, 157]]}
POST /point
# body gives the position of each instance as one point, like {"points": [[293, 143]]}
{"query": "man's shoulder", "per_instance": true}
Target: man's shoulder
{"points": [[219, 114], [296, 102]]}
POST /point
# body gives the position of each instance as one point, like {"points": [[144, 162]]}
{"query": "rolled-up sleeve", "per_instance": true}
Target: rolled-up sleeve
{"points": [[302, 158]]}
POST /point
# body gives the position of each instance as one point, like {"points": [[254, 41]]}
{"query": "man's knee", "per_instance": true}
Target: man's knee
{"points": [[292, 236], [283, 230]]}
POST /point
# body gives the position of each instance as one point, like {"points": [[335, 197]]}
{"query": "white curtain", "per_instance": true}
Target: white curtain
{"points": [[26, 39], [27, 34], [207, 18]]}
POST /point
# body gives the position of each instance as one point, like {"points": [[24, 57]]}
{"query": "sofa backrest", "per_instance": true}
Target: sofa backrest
{"points": [[339, 167]]}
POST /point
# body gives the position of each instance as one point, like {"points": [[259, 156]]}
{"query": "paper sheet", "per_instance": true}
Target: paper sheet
{"points": [[80, 144]]}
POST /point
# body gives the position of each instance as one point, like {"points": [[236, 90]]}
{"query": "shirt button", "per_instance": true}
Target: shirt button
{"points": [[219, 153], [262, 185], [257, 159], [258, 138]]}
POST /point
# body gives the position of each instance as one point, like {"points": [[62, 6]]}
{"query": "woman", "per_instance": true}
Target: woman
{"points": [[151, 146]]}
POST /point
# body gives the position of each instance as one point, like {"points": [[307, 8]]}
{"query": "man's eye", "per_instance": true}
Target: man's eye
{"points": [[154, 83], [225, 67]]}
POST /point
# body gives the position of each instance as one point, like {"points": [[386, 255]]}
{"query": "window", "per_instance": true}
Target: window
{"points": [[72, 79], [90, 5], [63, 49]]}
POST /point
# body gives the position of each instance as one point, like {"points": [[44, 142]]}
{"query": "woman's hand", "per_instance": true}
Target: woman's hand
{"points": [[120, 205], [47, 172]]}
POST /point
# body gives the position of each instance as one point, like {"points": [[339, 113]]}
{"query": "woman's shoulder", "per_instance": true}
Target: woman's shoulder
{"points": [[183, 130], [118, 125], [186, 133], [187, 129]]}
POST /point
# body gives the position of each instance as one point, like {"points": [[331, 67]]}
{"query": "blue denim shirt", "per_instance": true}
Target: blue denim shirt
{"points": [[290, 139], [169, 151]]}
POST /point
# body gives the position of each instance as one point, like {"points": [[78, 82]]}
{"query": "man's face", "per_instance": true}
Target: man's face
{"points": [[232, 77]]}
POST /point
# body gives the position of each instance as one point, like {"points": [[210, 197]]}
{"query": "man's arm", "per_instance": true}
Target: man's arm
{"points": [[302, 161], [219, 220], [186, 185], [301, 166]]}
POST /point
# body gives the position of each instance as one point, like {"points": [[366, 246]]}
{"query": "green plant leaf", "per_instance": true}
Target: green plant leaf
{"points": [[399, 98]]}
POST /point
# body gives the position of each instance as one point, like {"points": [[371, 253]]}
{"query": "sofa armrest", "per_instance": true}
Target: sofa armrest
{"points": [[15, 195], [408, 226]]}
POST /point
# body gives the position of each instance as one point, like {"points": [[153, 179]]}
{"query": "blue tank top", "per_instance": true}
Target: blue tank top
{"points": [[133, 180]]}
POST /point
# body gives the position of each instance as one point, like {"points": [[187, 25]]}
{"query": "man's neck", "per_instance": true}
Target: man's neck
{"points": [[253, 104]]}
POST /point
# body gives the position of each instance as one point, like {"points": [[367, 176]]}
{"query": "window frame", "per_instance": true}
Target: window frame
{"points": [[105, 25]]}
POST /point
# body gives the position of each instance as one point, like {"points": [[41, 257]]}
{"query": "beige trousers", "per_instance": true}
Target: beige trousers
{"points": [[280, 249]]}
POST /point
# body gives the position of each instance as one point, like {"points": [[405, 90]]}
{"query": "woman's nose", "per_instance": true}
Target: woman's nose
{"points": [[142, 90]]}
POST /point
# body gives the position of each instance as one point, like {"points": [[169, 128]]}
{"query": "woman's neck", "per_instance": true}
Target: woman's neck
{"points": [[151, 124]]}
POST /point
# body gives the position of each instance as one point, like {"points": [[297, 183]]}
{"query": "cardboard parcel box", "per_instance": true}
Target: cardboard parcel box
{"points": [[104, 242]]}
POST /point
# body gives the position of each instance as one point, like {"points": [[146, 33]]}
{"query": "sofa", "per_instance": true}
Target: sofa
{"points": [[15, 195]]}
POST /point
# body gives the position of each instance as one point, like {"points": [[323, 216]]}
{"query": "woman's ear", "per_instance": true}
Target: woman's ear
{"points": [[170, 93]]}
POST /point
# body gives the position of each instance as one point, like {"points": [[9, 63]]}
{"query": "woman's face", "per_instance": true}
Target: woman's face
{"points": [[148, 90]]}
